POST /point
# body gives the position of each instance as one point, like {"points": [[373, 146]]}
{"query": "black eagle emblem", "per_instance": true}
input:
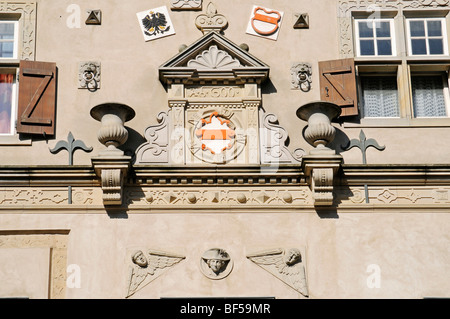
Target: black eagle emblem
{"points": [[154, 23]]}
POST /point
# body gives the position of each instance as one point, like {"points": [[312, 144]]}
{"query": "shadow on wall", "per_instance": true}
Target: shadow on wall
{"points": [[135, 139]]}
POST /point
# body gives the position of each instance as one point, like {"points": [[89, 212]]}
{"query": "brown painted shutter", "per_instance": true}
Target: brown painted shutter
{"points": [[338, 85], [37, 98]]}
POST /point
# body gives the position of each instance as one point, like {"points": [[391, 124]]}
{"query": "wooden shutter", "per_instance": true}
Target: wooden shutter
{"points": [[338, 85], [37, 98]]}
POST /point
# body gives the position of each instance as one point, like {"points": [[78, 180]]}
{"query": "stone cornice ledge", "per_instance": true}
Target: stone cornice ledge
{"points": [[350, 174], [47, 175], [395, 174]]}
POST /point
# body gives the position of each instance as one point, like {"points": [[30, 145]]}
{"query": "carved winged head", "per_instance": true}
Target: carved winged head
{"points": [[292, 256], [139, 259]]}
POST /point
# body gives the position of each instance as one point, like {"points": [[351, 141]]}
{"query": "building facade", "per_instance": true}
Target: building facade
{"points": [[186, 148]]}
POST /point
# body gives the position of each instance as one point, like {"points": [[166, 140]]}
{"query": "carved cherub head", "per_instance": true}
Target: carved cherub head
{"points": [[139, 259], [292, 256], [216, 259]]}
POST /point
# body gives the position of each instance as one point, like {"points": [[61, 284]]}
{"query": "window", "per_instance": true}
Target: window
{"points": [[427, 36], [8, 39], [429, 95], [7, 103], [379, 96], [375, 37]]}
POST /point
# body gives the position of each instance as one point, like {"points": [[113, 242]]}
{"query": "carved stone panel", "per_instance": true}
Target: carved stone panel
{"points": [[156, 149], [146, 265], [186, 4], [28, 246], [285, 264]]}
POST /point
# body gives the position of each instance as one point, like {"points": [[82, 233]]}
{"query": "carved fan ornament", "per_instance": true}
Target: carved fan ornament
{"points": [[213, 58]]}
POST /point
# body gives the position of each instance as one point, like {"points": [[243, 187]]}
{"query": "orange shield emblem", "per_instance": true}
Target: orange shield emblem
{"points": [[215, 134]]}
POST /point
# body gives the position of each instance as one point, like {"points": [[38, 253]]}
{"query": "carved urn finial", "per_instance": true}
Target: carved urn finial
{"points": [[112, 133], [319, 115], [211, 21]]}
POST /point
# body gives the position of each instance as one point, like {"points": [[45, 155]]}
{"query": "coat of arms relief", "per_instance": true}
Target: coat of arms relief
{"points": [[215, 111]]}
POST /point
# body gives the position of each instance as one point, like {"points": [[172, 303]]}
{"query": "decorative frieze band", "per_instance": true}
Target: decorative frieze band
{"points": [[239, 196]]}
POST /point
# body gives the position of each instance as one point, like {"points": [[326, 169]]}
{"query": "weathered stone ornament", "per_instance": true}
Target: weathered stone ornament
{"points": [[321, 164], [273, 141], [147, 266], [111, 164], [186, 4], [156, 149], [94, 17], [265, 22], [301, 76], [89, 75], [301, 21], [155, 23], [211, 21], [216, 264], [287, 265]]}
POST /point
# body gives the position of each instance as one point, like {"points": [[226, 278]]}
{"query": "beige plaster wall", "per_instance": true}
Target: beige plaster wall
{"points": [[130, 76], [410, 249]]}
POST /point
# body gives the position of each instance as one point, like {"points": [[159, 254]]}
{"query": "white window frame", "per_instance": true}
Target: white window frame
{"points": [[392, 37], [426, 37], [14, 101], [360, 80], [446, 92], [16, 38]]}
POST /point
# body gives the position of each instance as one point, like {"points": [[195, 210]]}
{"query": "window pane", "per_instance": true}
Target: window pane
{"points": [[383, 29], [417, 28], [419, 46], [384, 47], [434, 28], [428, 96], [6, 31], [365, 29], [6, 49], [6, 87], [380, 98], [367, 47], [436, 46]]}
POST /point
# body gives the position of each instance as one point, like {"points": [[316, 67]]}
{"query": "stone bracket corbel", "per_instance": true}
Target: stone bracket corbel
{"points": [[112, 172], [321, 172]]}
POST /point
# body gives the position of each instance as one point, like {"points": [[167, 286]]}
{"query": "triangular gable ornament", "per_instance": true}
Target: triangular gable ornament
{"points": [[94, 17]]}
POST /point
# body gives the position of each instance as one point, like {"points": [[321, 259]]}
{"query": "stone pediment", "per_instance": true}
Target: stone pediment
{"points": [[213, 58]]}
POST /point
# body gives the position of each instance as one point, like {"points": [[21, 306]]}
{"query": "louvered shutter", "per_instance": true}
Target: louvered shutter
{"points": [[338, 85], [37, 98]]}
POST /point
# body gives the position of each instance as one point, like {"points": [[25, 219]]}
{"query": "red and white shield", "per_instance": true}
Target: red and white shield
{"points": [[215, 134]]}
